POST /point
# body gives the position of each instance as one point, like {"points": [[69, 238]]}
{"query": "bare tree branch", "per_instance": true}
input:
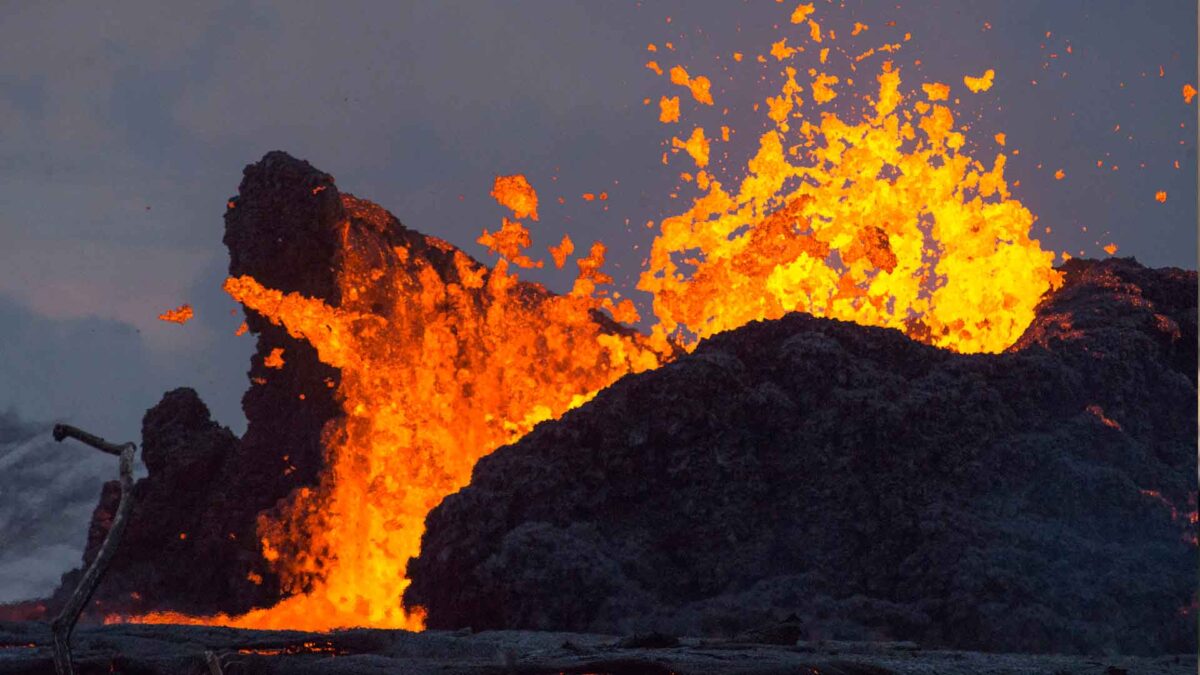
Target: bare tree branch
{"points": [[62, 431], [64, 624], [214, 664]]}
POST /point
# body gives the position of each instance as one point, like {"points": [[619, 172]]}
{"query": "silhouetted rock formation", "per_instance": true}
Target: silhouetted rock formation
{"points": [[1037, 500], [192, 544]]}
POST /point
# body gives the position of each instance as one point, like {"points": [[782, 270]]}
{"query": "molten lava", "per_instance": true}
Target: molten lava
{"points": [[884, 221], [180, 315], [880, 217]]}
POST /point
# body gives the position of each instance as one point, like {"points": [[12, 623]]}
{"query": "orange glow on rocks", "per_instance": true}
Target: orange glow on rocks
{"points": [[696, 145], [516, 194], [802, 12]]}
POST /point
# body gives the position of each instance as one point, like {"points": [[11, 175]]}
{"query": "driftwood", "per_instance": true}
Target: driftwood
{"points": [[64, 624]]}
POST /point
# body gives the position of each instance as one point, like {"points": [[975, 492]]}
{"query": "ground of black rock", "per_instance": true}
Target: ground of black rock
{"points": [[181, 650]]}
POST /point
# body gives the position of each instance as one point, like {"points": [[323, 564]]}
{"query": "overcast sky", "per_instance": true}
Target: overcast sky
{"points": [[124, 127]]}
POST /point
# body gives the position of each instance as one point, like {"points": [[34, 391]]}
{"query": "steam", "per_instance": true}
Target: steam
{"points": [[47, 494]]}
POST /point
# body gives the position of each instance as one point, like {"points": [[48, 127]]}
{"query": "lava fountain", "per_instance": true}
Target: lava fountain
{"points": [[860, 203]]}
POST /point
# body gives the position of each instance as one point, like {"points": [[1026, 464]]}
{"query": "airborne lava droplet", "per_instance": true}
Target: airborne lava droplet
{"points": [[668, 109], [565, 248], [515, 193], [981, 83], [699, 85], [180, 315], [936, 91]]}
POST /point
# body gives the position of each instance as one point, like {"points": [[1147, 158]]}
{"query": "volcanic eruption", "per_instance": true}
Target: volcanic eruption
{"points": [[390, 362]]}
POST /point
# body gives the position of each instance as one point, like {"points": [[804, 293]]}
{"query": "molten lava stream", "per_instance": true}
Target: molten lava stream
{"points": [[862, 207]]}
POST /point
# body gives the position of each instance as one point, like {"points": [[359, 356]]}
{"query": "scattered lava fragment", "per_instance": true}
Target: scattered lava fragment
{"points": [[668, 109], [565, 248], [982, 83], [1189, 93], [699, 85], [802, 12], [515, 193], [936, 91], [509, 243], [180, 315], [1160, 196]]}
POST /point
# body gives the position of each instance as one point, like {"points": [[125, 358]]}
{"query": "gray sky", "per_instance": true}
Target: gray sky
{"points": [[124, 127]]}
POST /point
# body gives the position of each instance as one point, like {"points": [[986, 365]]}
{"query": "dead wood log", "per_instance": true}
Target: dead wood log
{"points": [[64, 624], [213, 663]]}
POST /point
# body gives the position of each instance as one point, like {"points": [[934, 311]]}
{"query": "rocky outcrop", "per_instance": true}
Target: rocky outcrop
{"points": [[1041, 499], [175, 538], [192, 543]]}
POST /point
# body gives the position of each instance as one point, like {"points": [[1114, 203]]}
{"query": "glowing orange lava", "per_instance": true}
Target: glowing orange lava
{"points": [[879, 217], [180, 315], [883, 220]]}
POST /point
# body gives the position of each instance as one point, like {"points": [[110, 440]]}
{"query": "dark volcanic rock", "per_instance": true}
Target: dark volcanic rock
{"points": [[174, 650], [192, 544], [181, 443], [1036, 500], [282, 229], [172, 527]]}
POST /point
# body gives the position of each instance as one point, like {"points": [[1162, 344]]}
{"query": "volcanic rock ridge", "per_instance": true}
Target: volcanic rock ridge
{"points": [[1042, 499]]}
